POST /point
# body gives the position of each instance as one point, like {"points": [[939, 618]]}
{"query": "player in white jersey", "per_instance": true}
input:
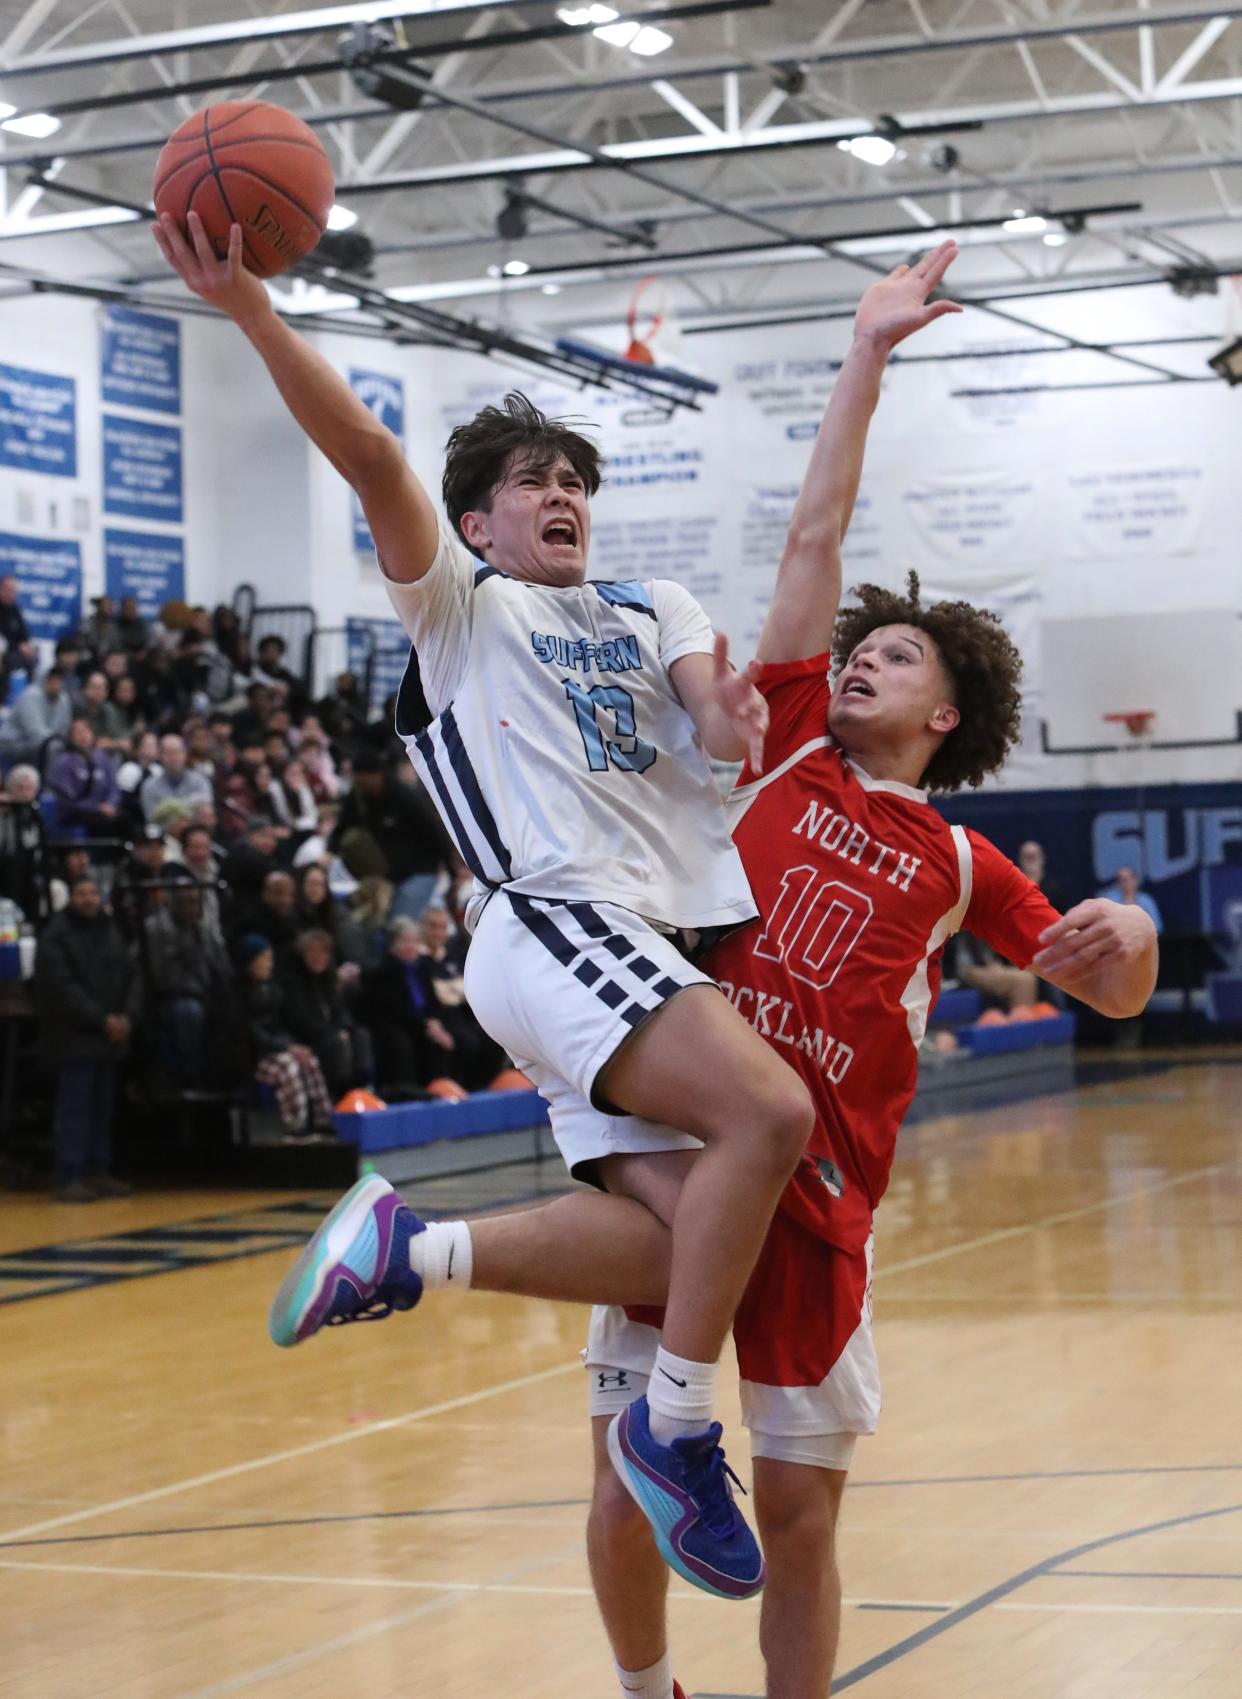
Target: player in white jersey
{"points": [[563, 729]]}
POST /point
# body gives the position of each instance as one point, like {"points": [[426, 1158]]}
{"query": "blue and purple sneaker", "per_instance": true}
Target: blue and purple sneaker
{"points": [[355, 1268], [683, 1490]]}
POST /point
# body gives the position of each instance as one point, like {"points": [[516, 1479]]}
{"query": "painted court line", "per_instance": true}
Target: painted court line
{"points": [[380, 1583], [363, 1431], [886, 1270]]}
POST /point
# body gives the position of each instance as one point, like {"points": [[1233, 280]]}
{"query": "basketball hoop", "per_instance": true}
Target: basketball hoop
{"points": [[1137, 721], [641, 338]]}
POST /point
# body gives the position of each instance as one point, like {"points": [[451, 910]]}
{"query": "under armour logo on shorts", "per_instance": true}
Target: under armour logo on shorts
{"points": [[620, 1380]]}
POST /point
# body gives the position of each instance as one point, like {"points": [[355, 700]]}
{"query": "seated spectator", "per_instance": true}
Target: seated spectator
{"points": [[391, 829], [175, 782], [315, 848], [100, 631], [270, 669], [75, 863], [174, 819], [1033, 862], [291, 1069], [370, 911], [90, 704], [138, 881], [977, 965], [476, 1059], [317, 1014], [420, 1031], [291, 797], [159, 691], [121, 717], [316, 759], [71, 660], [199, 855], [200, 748], [114, 665], [250, 722], [226, 630], [141, 762], [83, 781], [343, 714], [188, 980], [87, 993], [251, 857], [318, 909], [21, 841], [21, 653], [1127, 888], [275, 914], [132, 629], [42, 712]]}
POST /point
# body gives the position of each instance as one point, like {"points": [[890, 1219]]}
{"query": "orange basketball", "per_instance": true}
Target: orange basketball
{"points": [[511, 1079], [1045, 1011], [447, 1089], [1024, 1012], [358, 1102], [250, 163], [991, 1017]]}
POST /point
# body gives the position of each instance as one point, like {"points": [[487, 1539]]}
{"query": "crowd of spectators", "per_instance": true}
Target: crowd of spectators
{"points": [[229, 881]]}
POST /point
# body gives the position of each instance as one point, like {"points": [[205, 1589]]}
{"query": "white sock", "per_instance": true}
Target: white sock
{"points": [[444, 1255], [655, 1682], [681, 1396]]}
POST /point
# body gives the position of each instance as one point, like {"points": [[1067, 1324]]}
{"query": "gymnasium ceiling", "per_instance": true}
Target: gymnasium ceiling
{"points": [[1121, 116]]}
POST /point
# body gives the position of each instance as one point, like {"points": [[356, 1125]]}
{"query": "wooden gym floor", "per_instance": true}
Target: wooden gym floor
{"points": [[1052, 1508]]}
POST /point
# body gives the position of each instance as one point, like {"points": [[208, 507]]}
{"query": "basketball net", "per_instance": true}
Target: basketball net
{"points": [[645, 320]]}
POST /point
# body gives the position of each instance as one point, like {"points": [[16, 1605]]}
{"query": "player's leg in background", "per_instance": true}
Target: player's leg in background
{"points": [[698, 1066], [630, 1579], [796, 1506]]}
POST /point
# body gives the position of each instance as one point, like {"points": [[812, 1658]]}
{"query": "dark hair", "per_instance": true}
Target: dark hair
{"points": [[272, 637], [978, 656], [479, 453]]}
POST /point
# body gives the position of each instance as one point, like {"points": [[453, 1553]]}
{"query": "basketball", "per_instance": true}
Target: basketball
{"points": [[250, 163], [447, 1089], [511, 1079]]}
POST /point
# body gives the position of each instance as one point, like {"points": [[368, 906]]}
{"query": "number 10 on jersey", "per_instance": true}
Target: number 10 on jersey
{"points": [[813, 926]]}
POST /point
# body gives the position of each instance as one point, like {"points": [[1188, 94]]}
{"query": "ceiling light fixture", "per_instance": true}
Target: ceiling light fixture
{"points": [[36, 125], [582, 17], [1025, 223], [515, 268], [1055, 239], [342, 218], [872, 150]]}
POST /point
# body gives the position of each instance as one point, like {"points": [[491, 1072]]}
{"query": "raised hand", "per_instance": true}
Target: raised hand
{"points": [[224, 283], [898, 304], [739, 702], [1094, 934]]}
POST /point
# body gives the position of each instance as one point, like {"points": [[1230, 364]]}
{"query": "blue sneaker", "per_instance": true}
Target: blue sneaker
{"points": [[356, 1267], [683, 1490]]}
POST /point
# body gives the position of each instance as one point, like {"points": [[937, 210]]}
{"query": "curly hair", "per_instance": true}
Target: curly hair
{"points": [[478, 453], [979, 657]]}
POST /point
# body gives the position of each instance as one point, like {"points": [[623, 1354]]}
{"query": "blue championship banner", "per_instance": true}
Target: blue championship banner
{"points": [[48, 571], [142, 469], [385, 396], [140, 360], [145, 565], [38, 422]]}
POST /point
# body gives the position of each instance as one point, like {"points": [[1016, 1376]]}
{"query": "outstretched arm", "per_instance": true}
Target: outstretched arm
{"points": [[366, 454], [808, 586], [1103, 953]]}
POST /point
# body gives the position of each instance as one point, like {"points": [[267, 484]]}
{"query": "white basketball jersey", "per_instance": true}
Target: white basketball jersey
{"points": [[544, 724]]}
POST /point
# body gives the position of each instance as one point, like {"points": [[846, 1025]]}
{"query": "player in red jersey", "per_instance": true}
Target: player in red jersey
{"points": [[858, 882]]}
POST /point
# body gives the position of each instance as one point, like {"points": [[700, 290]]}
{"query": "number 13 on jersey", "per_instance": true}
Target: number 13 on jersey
{"points": [[625, 749]]}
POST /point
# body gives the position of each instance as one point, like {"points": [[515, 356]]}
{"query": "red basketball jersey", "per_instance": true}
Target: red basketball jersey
{"points": [[858, 883]]}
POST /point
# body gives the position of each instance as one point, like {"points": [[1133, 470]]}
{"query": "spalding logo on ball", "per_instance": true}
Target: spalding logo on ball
{"points": [[250, 163]]}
